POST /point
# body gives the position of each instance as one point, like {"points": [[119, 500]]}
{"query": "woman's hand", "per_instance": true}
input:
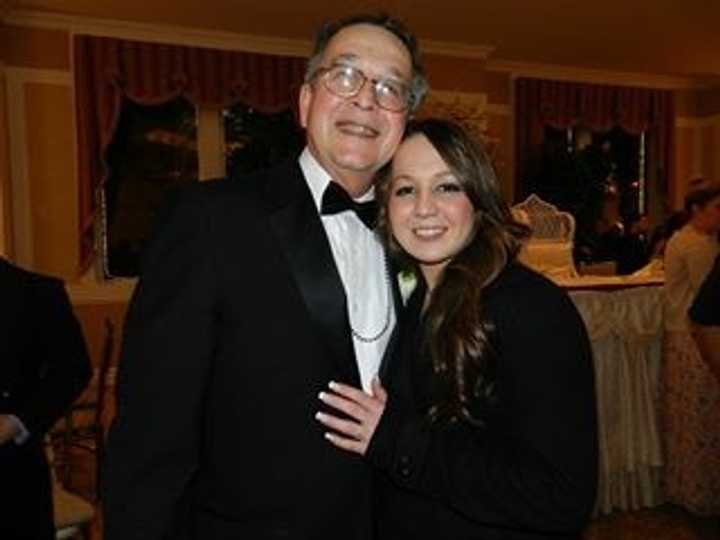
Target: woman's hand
{"points": [[364, 410]]}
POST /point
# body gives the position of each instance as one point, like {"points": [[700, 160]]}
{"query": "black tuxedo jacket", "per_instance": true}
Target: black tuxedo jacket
{"points": [[44, 366], [238, 322]]}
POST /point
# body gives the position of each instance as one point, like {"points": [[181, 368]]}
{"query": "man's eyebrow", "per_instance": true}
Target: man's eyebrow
{"points": [[351, 58], [346, 57]]}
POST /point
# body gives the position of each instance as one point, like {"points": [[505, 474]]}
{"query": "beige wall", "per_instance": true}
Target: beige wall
{"points": [[51, 170], [685, 163], [5, 187], [37, 64], [92, 319], [709, 141], [36, 48], [500, 128], [697, 138], [467, 75]]}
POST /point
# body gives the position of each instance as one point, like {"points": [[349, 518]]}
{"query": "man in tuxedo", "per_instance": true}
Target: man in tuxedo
{"points": [[44, 367], [254, 294]]}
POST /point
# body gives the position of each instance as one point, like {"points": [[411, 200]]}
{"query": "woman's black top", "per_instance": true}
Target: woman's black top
{"points": [[531, 471]]}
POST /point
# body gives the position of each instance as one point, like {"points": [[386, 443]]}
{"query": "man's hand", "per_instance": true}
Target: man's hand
{"points": [[8, 429]]}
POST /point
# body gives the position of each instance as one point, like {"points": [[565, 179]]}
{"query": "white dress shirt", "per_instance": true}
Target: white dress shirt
{"points": [[360, 260]]}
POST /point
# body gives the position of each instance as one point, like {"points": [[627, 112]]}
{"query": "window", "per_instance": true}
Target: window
{"points": [[158, 148], [154, 150]]}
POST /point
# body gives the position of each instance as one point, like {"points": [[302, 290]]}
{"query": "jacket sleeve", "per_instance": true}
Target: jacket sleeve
{"points": [[59, 349], [153, 444], [705, 309], [535, 466]]}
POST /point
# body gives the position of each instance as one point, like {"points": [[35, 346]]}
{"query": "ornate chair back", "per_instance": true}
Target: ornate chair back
{"points": [[550, 247]]}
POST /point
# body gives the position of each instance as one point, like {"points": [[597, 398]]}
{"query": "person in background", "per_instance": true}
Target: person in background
{"points": [[705, 316], [484, 425], [592, 183], [252, 295], [663, 232], [691, 395], [44, 367]]}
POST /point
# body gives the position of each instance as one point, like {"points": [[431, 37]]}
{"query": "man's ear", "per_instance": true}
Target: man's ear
{"points": [[304, 101]]}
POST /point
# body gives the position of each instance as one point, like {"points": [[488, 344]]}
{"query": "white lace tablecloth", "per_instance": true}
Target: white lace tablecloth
{"points": [[625, 327]]}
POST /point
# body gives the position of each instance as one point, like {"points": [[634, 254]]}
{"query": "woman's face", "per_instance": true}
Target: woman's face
{"points": [[707, 217], [429, 213]]}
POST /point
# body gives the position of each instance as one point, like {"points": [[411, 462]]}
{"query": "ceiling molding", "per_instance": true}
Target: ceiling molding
{"points": [[301, 48], [41, 76], [579, 74], [458, 50], [203, 37], [159, 33]]}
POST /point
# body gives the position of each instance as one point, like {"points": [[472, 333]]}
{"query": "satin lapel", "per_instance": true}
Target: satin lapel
{"points": [[301, 236]]}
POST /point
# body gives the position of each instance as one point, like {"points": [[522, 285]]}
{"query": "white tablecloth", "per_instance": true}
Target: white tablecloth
{"points": [[625, 327]]}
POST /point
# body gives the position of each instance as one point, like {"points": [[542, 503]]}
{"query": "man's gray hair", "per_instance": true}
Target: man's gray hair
{"points": [[418, 86]]}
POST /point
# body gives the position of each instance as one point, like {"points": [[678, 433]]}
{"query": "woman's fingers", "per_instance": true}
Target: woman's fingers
{"points": [[378, 391], [353, 394], [349, 407], [346, 427], [350, 445], [363, 411], [346, 434]]}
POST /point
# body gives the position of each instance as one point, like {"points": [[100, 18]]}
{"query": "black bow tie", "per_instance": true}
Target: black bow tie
{"points": [[336, 200]]}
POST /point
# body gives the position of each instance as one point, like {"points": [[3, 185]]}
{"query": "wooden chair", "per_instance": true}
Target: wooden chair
{"points": [[85, 421], [72, 513]]}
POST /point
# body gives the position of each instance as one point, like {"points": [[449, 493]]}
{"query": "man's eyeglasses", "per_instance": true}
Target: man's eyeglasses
{"points": [[347, 81]]}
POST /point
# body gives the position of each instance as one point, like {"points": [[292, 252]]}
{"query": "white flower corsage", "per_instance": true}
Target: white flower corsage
{"points": [[407, 281]]}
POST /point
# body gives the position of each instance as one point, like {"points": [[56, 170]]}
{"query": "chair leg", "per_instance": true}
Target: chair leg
{"points": [[99, 455]]}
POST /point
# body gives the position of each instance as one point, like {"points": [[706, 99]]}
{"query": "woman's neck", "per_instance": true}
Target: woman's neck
{"points": [[431, 273]]}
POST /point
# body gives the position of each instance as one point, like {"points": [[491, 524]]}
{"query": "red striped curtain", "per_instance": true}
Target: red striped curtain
{"points": [[540, 103], [108, 69]]}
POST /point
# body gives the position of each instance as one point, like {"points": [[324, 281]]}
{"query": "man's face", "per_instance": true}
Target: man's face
{"points": [[353, 137]]}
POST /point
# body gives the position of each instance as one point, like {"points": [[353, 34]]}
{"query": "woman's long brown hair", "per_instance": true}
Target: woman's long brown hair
{"points": [[456, 333]]}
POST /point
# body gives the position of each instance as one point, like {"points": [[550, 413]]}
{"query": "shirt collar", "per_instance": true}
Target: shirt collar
{"points": [[318, 179]]}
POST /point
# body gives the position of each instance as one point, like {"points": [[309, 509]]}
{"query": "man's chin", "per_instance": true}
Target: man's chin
{"points": [[367, 163]]}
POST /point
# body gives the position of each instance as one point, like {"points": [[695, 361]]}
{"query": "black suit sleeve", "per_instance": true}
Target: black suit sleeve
{"points": [[705, 309], [153, 445], [58, 345], [533, 468]]}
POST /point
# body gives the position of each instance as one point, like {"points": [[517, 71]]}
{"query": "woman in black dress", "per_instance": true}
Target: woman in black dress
{"points": [[484, 425]]}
